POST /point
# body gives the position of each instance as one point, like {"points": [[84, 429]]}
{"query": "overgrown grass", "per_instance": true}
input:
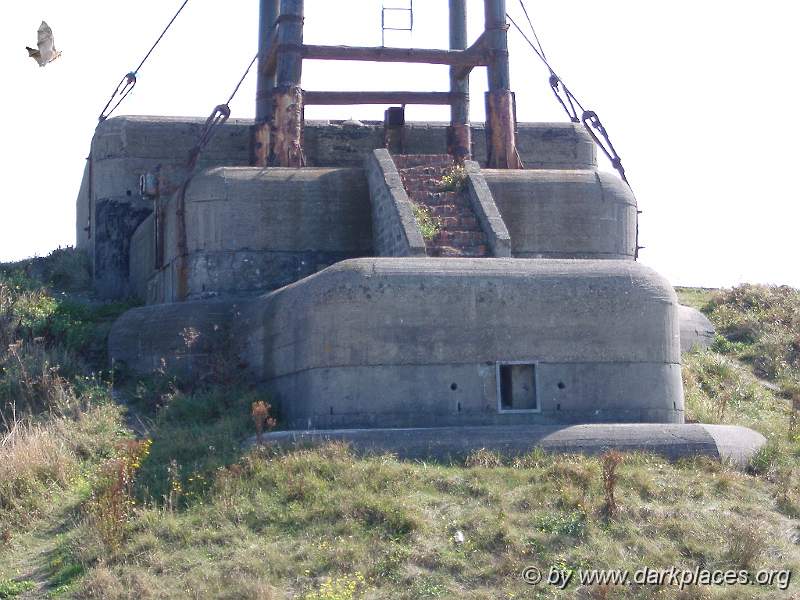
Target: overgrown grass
{"points": [[200, 516], [315, 523]]}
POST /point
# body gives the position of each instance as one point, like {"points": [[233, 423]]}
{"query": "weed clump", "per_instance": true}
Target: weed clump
{"points": [[610, 461], [112, 500], [454, 179], [429, 225], [260, 411]]}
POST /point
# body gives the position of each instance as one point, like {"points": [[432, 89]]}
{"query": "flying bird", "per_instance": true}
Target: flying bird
{"points": [[47, 52]]}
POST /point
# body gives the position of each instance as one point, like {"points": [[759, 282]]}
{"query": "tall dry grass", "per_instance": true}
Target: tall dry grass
{"points": [[34, 459]]}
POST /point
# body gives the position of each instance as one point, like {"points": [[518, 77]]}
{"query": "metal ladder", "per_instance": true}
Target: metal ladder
{"points": [[396, 9]]}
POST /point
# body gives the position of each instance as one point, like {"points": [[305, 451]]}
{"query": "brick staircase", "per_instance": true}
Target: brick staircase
{"points": [[460, 233]]}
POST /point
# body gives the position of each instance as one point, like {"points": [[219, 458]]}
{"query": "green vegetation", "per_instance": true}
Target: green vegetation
{"points": [[183, 510], [12, 589], [454, 179], [429, 225]]}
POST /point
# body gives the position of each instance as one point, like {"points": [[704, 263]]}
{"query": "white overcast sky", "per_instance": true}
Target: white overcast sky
{"points": [[699, 98]]}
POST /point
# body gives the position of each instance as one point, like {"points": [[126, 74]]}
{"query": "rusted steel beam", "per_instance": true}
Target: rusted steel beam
{"points": [[497, 44], [394, 129], [501, 143], [268, 16], [479, 47], [343, 98], [459, 134], [271, 60], [288, 97], [261, 142], [288, 147], [260, 135], [501, 124], [465, 60], [401, 55], [290, 40]]}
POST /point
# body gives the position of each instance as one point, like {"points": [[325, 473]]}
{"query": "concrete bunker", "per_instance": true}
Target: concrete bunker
{"points": [[427, 342], [275, 242]]}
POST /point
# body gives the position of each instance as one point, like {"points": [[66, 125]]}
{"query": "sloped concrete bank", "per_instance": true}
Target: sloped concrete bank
{"points": [[721, 442]]}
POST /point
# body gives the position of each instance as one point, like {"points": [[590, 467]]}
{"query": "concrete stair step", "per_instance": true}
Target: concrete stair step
{"points": [[438, 198], [451, 210], [463, 237], [424, 171], [404, 161], [445, 251], [459, 222], [460, 233]]}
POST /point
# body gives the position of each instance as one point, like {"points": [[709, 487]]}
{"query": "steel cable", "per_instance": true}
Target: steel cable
{"points": [[128, 82], [568, 101]]}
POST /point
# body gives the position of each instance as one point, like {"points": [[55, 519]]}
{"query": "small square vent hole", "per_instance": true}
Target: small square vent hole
{"points": [[517, 387]]}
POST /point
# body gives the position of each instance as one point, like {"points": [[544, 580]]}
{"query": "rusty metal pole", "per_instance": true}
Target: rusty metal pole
{"points": [[459, 136], [501, 145], [288, 106], [268, 15]]}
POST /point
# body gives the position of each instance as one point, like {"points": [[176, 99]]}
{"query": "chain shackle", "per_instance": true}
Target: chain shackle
{"points": [[124, 87], [592, 122]]}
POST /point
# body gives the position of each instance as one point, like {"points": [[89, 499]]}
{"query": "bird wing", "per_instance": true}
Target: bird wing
{"points": [[36, 55], [45, 40]]}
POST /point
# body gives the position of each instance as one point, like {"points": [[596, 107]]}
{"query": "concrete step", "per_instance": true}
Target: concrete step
{"points": [[439, 198], [459, 237], [462, 222], [424, 171], [405, 161], [445, 251], [460, 233], [444, 211]]}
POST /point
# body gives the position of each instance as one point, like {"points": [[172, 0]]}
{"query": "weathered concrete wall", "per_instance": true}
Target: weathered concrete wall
{"points": [[142, 257], [697, 332], [82, 212], [394, 227], [415, 342], [123, 148], [110, 207], [566, 214], [185, 338], [541, 145], [486, 211], [251, 230]]}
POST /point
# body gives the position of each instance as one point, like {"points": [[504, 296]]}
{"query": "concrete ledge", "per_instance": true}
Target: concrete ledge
{"points": [[721, 442], [565, 213], [485, 209], [395, 229]]}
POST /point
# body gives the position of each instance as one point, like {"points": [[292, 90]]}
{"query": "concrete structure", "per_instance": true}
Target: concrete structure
{"points": [[519, 305], [697, 332], [384, 328], [111, 206]]}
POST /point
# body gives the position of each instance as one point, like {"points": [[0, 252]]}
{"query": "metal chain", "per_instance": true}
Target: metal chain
{"points": [[215, 120], [591, 122], [571, 104]]}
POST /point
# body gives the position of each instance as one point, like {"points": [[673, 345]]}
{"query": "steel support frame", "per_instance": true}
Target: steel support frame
{"points": [[277, 135]]}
